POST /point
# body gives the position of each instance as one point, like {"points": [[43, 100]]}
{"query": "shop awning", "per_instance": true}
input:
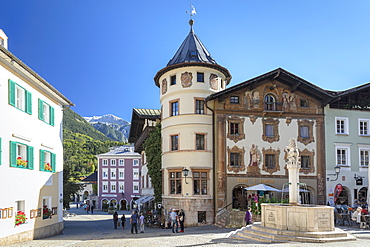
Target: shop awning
{"points": [[144, 199]]}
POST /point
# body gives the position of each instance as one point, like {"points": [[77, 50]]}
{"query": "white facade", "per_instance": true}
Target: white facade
{"points": [[30, 130]]}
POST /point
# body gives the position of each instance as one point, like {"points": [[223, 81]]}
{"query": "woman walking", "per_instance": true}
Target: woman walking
{"points": [[115, 219], [181, 220], [123, 221]]}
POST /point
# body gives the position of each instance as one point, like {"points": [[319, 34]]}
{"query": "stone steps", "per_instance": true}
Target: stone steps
{"points": [[266, 234]]}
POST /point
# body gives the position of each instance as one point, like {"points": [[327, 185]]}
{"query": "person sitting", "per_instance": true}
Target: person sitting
{"points": [[356, 216]]}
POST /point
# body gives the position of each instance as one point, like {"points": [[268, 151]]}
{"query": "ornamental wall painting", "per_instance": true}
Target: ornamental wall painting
{"points": [[186, 79], [213, 81], [164, 86], [252, 99]]}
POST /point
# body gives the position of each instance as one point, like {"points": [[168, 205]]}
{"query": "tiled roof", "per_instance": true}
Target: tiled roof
{"points": [[125, 150], [147, 112]]}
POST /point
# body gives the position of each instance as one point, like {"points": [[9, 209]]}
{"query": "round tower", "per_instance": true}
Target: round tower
{"points": [[187, 129]]}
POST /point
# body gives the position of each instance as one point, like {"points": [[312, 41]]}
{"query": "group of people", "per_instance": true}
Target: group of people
{"points": [[135, 219], [177, 219], [89, 207]]}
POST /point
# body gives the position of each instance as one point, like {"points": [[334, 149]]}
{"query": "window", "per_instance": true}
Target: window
{"points": [[121, 173], [47, 161], [46, 113], [175, 182], [304, 103], [342, 152], [113, 162], [173, 80], [234, 99], [364, 157], [270, 130], [341, 125], [21, 155], [105, 173], [200, 182], [1, 41], [270, 160], [200, 77], [174, 108], [305, 162], [113, 173], [174, 142], [305, 130], [21, 206], [199, 106], [135, 187], [46, 207], [135, 174], [105, 162], [363, 127], [121, 187], [121, 162], [234, 128], [199, 141], [136, 162], [113, 187], [270, 102], [234, 159], [20, 97], [105, 186]]}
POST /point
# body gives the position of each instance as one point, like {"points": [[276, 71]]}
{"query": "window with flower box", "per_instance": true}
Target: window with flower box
{"points": [[21, 155], [47, 161], [46, 112], [19, 97], [46, 207]]}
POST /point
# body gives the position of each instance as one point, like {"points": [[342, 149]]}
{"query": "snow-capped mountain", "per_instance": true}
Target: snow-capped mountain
{"points": [[112, 126]]}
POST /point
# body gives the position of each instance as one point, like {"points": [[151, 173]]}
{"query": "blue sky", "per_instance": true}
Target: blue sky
{"points": [[103, 55]]}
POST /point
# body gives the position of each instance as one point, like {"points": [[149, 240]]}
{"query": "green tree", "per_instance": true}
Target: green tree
{"points": [[153, 152]]}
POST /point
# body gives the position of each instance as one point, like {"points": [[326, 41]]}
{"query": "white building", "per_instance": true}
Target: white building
{"points": [[31, 151]]}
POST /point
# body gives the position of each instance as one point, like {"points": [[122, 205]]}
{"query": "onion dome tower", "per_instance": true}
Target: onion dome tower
{"points": [[187, 128]]}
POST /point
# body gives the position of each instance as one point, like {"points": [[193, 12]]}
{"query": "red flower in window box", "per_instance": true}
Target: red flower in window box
{"points": [[21, 162]]}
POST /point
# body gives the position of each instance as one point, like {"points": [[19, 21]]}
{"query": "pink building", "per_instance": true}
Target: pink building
{"points": [[118, 178]]}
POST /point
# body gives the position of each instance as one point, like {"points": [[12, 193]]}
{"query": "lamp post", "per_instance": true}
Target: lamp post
{"points": [[185, 173], [337, 171]]}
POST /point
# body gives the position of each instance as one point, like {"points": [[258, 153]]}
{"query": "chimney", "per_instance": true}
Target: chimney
{"points": [[3, 39]]}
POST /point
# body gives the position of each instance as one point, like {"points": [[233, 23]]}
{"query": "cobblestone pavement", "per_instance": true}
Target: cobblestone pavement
{"points": [[97, 230]]}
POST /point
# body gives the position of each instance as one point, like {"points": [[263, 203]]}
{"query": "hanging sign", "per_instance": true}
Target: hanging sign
{"points": [[338, 189]]}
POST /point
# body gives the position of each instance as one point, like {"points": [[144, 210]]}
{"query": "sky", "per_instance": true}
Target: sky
{"points": [[103, 55]]}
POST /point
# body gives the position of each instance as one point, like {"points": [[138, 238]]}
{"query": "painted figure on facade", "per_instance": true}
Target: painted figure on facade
{"points": [[256, 99], [285, 102], [213, 81], [164, 86], [293, 105], [255, 157], [249, 100]]}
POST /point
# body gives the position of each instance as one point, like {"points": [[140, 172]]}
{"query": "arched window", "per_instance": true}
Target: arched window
{"points": [[270, 102]]}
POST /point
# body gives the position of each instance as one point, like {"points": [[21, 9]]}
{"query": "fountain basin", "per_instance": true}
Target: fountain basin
{"points": [[308, 218]]}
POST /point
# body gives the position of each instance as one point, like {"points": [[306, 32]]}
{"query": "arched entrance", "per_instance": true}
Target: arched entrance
{"points": [[239, 199], [86, 195], [113, 203], [362, 195], [104, 205], [123, 204], [344, 197]]}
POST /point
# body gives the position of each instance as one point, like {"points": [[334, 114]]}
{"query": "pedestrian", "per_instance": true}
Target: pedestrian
{"points": [[248, 216], [123, 221], [142, 221], [133, 222], [181, 220], [85, 207], [92, 208], [88, 208], [173, 217], [115, 219]]}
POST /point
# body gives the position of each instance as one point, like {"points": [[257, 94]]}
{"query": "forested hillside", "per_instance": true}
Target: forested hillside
{"points": [[81, 142]]}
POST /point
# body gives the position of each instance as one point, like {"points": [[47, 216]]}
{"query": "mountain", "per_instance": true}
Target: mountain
{"points": [[74, 123], [113, 127]]}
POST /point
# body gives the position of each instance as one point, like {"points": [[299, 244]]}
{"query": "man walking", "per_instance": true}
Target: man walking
{"points": [[142, 222], [133, 222], [173, 217]]}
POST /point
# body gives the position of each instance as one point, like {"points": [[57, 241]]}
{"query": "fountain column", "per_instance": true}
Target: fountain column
{"points": [[293, 165]]}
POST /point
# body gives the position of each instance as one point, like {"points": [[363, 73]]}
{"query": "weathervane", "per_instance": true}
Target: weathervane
{"points": [[192, 11]]}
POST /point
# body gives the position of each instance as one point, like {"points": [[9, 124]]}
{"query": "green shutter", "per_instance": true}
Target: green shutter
{"points": [[42, 160], [11, 92], [51, 114], [30, 157], [0, 152], [13, 154], [53, 161], [28, 102], [41, 110]]}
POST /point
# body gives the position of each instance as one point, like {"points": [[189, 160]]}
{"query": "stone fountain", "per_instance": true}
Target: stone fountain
{"points": [[293, 221]]}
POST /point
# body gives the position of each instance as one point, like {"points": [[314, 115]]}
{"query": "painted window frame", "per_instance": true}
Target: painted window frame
{"points": [[338, 130], [232, 133], [311, 160], [236, 152], [26, 101], [16, 152], [305, 123], [360, 129], [275, 137], [276, 154]]}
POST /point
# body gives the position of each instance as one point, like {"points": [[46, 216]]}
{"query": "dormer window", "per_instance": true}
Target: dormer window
{"points": [[193, 54]]}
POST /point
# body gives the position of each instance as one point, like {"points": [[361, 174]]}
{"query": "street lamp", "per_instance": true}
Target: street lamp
{"points": [[337, 171], [185, 173]]}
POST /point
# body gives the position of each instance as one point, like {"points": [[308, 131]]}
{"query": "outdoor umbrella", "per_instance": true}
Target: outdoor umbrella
{"points": [[262, 187]]}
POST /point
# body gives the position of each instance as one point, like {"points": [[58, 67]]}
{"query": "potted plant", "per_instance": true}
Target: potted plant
{"points": [[21, 162], [46, 213]]}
